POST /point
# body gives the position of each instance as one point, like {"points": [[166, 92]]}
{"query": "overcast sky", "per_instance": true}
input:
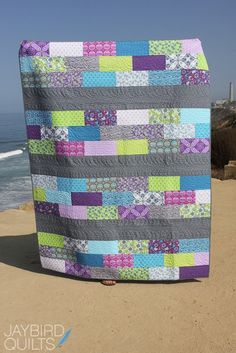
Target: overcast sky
{"points": [[213, 22]]}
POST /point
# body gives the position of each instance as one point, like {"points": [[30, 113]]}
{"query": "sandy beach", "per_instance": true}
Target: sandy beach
{"points": [[180, 317]]}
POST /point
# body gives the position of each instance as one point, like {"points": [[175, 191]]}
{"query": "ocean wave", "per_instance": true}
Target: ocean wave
{"points": [[23, 142], [11, 153]]}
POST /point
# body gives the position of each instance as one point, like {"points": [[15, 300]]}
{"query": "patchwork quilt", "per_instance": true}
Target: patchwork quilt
{"points": [[119, 147]]}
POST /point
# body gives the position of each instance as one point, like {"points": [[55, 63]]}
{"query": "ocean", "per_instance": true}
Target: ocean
{"points": [[15, 180]]}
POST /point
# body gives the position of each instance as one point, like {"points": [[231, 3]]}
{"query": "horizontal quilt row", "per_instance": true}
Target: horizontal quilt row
{"points": [[138, 183], [117, 117], [152, 209], [119, 147], [123, 132], [126, 273], [122, 197], [129, 260], [115, 79], [110, 48], [40, 64], [52, 241], [125, 253]]}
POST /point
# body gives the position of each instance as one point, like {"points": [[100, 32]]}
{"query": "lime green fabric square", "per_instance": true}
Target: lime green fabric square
{"points": [[68, 118], [44, 64], [115, 63], [179, 260], [41, 147], [130, 147], [202, 62], [102, 212], [164, 116], [163, 183], [133, 246], [51, 239], [195, 211], [39, 194], [165, 47], [134, 273]]}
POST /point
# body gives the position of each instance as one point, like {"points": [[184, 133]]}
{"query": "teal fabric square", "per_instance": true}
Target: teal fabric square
{"points": [[202, 130], [90, 259], [194, 245], [26, 64], [83, 133], [195, 115], [60, 197], [164, 77], [132, 47], [148, 260], [99, 79], [102, 247], [195, 182], [117, 198], [38, 117], [71, 184]]}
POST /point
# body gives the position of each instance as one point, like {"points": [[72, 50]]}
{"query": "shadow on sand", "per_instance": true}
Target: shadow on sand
{"points": [[22, 251]]}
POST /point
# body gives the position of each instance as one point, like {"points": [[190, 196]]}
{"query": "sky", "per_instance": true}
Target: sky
{"points": [[212, 21]]}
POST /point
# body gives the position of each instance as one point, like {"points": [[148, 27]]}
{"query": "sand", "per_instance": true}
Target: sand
{"points": [[191, 316]]}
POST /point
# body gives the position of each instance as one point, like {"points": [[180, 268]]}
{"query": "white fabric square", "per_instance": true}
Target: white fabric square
{"points": [[181, 61], [132, 117], [44, 181], [53, 264], [66, 49], [179, 131], [54, 133], [203, 196], [164, 273], [133, 78]]}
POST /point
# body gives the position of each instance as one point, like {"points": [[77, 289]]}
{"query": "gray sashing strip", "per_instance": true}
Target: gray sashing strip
{"points": [[104, 272], [148, 97], [124, 229], [108, 166]]}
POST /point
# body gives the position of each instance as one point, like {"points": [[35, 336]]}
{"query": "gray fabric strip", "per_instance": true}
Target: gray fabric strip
{"points": [[124, 229], [176, 96], [108, 166], [104, 273]]}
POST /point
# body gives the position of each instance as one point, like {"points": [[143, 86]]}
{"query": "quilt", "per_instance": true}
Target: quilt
{"points": [[119, 148]]}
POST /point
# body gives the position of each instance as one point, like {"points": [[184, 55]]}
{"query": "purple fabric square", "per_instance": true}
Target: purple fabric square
{"points": [[33, 132], [132, 184], [193, 272], [194, 145], [148, 131], [100, 117], [162, 246], [47, 208], [76, 269], [195, 77], [65, 79], [86, 198], [149, 62], [30, 48], [133, 212]]}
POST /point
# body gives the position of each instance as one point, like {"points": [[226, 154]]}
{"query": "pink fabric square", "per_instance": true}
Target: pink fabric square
{"points": [[70, 148], [74, 212], [107, 48], [99, 148], [201, 258], [180, 197], [118, 260], [192, 46]]}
